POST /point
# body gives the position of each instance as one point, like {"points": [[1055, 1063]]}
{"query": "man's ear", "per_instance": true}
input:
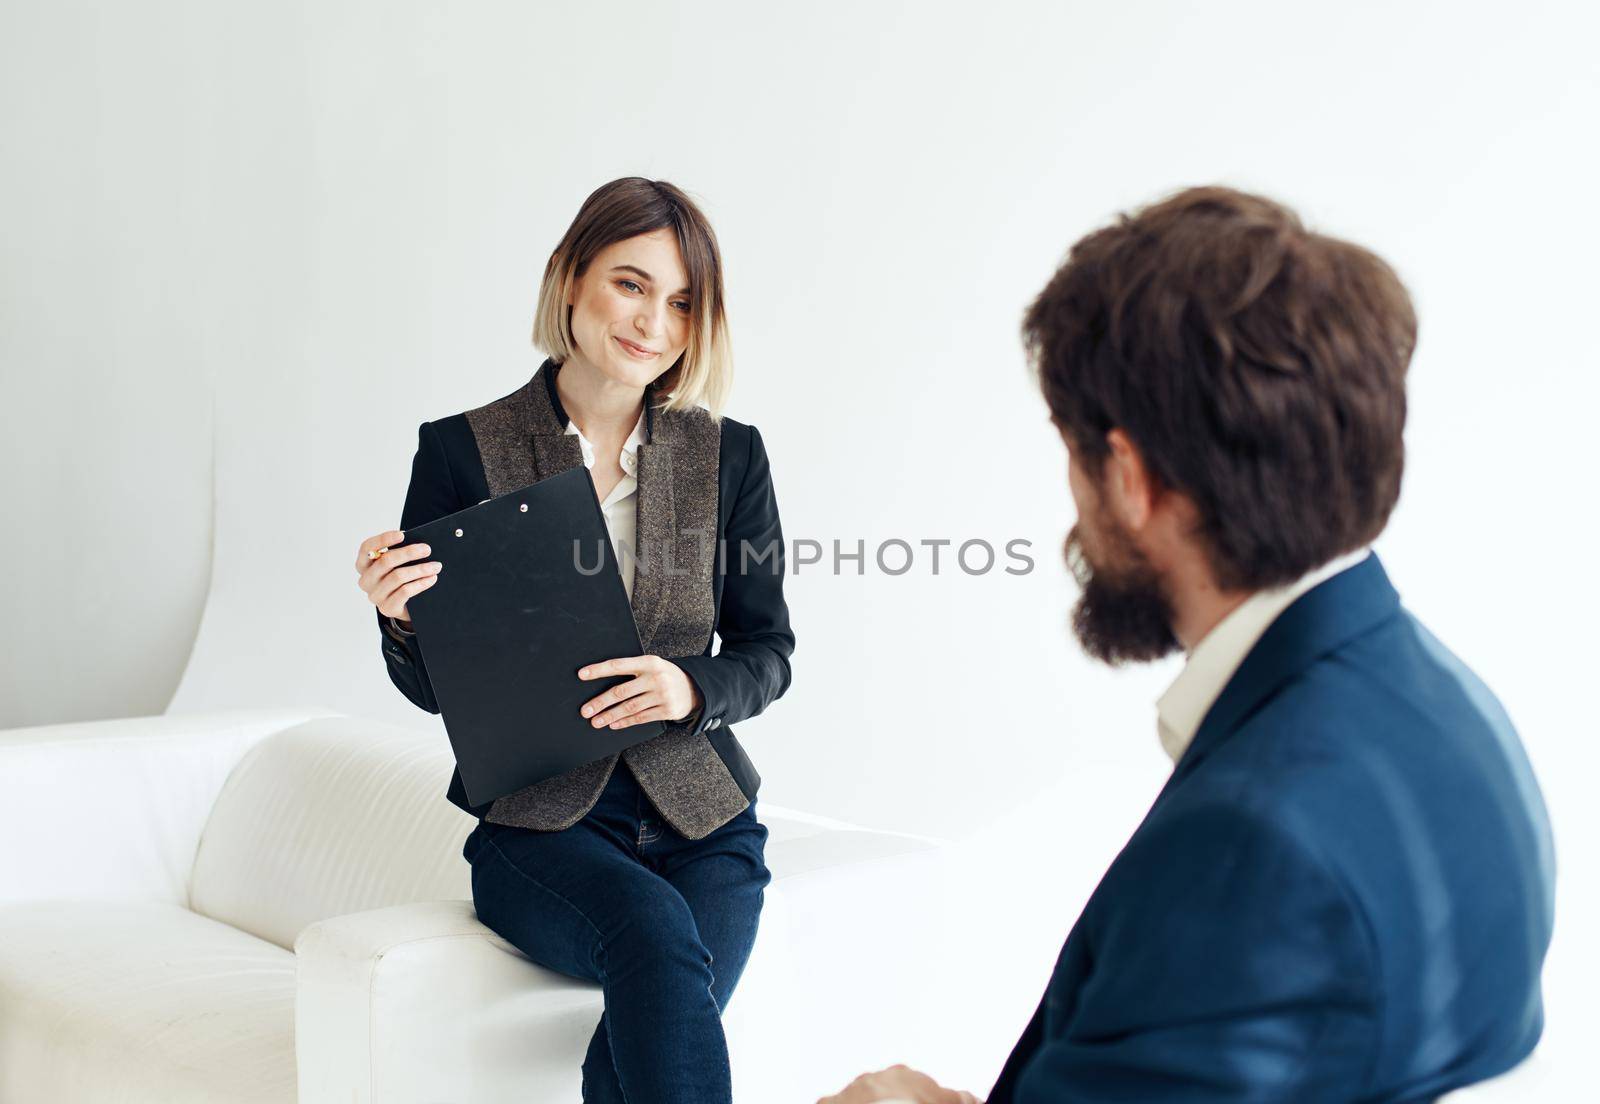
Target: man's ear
{"points": [[1130, 490]]}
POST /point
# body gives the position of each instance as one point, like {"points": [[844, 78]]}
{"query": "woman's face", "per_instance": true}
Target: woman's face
{"points": [[630, 308]]}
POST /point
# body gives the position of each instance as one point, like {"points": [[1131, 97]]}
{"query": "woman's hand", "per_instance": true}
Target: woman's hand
{"points": [[658, 691], [391, 579], [899, 1084]]}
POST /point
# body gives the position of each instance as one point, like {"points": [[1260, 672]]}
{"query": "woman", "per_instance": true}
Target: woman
{"points": [[645, 874]]}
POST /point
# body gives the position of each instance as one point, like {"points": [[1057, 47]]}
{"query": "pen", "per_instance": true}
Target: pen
{"points": [[376, 552]]}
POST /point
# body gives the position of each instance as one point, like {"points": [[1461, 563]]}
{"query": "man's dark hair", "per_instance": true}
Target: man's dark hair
{"points": [[1258, 367]]}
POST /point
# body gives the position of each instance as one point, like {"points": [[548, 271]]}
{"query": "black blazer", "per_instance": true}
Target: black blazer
{"points": [[748, 672]]}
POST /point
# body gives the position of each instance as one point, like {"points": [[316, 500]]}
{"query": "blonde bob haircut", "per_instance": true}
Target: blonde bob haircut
{"points": [[625, 208]]}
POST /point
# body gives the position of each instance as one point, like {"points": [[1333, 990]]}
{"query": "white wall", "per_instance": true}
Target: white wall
{"points": [[335, 215]]}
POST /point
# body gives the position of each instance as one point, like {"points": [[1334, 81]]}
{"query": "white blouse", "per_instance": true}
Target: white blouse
{"points": [[621, 506]]}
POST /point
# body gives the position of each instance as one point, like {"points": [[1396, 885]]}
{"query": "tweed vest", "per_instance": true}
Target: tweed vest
{"points": [[521, 439]]}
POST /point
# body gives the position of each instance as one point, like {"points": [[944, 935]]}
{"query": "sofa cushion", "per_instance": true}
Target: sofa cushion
{"points": [[336, 815], [141, 1001]]}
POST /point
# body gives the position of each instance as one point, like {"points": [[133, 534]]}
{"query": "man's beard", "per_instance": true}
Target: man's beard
{"points": [[1122, 614]]}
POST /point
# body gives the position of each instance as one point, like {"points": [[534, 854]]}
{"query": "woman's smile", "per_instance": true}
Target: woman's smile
{"points": [[638, 352]]}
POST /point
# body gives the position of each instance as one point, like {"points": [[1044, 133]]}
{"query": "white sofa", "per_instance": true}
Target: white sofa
{"points": [[272, 905], [264, 906]]}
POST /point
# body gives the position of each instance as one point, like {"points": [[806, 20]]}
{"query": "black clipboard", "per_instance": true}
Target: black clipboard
{"points": [[528, 592]]}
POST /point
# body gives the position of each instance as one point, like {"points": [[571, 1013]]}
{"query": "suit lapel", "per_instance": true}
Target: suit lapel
{"points": [[554, 451], [654, 537]]}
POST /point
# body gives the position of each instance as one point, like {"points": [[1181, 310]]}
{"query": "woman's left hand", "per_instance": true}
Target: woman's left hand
{"points": [[658, 691]]}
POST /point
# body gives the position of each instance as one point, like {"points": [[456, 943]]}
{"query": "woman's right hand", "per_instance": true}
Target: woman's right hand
{"points": [[392, 578]]}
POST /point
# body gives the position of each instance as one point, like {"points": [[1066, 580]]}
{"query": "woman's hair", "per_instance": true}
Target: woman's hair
{"points": [[1259, 367], [623, 209]]}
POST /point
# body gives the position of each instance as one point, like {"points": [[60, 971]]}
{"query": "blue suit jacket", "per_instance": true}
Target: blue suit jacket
{"points": [[1344, 892]]}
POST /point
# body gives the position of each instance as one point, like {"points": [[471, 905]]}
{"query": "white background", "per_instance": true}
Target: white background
{"points": [[248, 248]]}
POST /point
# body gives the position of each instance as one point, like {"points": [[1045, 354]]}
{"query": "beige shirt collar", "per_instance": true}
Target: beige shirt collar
{"points": [[1214, 660]]}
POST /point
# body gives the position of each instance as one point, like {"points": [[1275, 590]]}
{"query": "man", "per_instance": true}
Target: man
{"points": [[1345, 889]]}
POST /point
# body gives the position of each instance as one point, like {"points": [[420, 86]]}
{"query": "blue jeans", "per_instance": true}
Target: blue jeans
{"points": [[663, 923]]}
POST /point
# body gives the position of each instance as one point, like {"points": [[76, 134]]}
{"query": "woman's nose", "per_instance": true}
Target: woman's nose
{"points": [[648, 322]]}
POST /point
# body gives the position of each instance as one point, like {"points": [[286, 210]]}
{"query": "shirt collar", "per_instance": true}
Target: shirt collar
{"points": [[630, 448], [1219, 653]]}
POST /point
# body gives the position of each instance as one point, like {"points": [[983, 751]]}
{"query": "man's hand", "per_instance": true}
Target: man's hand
{"points": [[898, 1083], [658, 691]]}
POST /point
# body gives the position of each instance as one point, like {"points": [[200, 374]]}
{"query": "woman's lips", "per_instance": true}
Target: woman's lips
{"points": [[635, 351]]}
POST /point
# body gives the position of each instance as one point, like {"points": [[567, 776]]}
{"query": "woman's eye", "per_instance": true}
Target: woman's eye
{"points": [[629, 285]]}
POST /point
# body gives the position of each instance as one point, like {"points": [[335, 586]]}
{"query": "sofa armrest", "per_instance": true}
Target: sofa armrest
{"points": [[115, 808], [421, 1001]]}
